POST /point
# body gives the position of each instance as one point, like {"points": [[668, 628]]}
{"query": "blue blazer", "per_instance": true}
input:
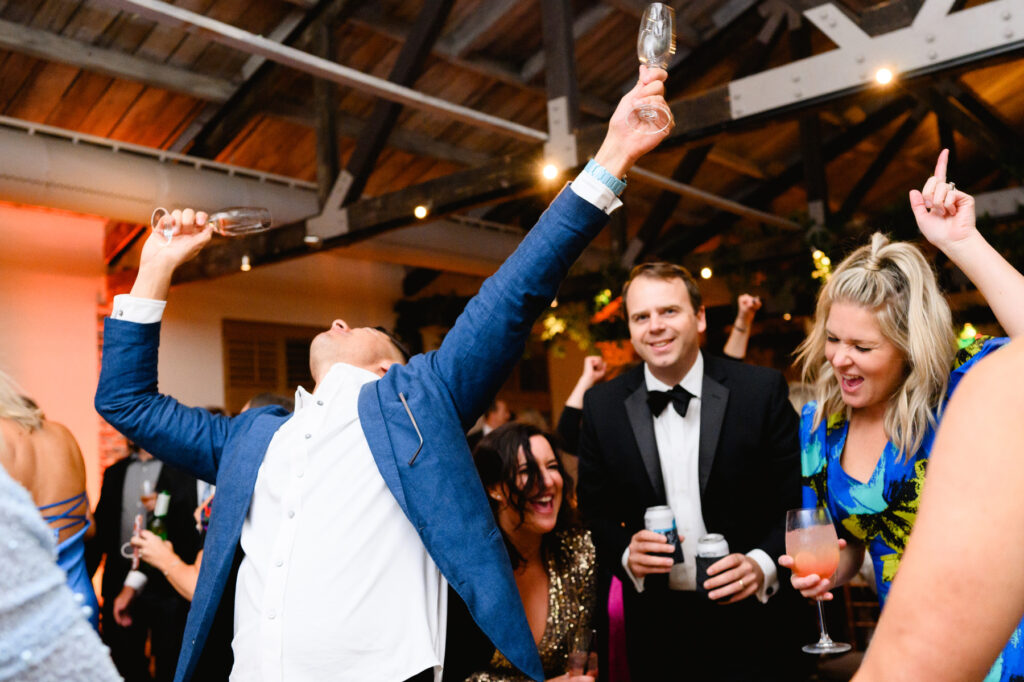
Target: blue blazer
{"points": [[425, 463]]}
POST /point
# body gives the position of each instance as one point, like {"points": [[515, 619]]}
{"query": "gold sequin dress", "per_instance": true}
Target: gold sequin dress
{"points": [[572, 591]]}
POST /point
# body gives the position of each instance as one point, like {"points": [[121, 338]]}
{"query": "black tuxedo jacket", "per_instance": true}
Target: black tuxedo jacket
{"points": [[181, 530], [749, 459]]}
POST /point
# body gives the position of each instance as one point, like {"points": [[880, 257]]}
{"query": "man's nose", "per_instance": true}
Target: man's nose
{"points": [[341, 323], [657, 323]]}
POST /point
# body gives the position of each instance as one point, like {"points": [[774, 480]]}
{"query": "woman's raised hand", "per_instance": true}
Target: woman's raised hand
{"points": [[945, 215]]}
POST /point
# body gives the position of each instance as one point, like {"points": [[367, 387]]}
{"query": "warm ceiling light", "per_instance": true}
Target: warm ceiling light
{"points": [[705, 273], [787, 317], [311, 239], [246, 265], [550, 171], [883, 76], [420, 212], [554, 303]]}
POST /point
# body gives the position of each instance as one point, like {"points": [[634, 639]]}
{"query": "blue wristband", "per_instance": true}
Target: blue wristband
{"points": [[607, 179]]}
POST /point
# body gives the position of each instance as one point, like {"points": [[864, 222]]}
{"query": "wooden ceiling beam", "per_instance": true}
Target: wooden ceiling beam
{"points": [[51, 47], [477, 24], [368, 18], [869, 178], [501, 178], [414, 143], [407, 68], [587, 21], [252, 95], [884, 111]]}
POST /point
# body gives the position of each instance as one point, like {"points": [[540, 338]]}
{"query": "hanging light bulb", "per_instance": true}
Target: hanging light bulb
{"points": [[246, 265]]}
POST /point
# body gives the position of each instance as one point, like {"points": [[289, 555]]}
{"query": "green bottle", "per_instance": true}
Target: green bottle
{"points": [[158, 526]]}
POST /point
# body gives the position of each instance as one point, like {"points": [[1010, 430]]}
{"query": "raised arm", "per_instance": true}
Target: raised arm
{"points": [[739, 336], [945, 216], [487, 339], [953, 606], [127, 395]]}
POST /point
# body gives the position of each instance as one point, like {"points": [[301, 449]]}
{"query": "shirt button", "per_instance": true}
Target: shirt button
{"points": [[320, 403], [300, 473], [291, 513], [308, 436], [271, 614], [279, 563]]}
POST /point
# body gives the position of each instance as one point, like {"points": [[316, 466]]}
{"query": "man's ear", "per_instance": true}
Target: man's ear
{"points": [[702, 323], [383, 365]]}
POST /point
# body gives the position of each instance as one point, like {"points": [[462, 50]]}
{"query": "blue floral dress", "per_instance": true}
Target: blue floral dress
{"points": [[880, 513]]}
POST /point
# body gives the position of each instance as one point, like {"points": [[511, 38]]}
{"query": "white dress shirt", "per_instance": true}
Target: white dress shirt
{"points": [[678, 440]]}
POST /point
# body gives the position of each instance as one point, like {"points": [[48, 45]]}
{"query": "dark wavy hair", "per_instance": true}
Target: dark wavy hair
{"points": [[497, 462]]}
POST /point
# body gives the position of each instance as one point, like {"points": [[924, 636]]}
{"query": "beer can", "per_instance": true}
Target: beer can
{"points": [[661, 520], [710, 548]]}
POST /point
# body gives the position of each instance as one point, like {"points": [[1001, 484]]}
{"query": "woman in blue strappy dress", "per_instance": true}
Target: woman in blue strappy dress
{"points": [[882, 359], [44, 458]]}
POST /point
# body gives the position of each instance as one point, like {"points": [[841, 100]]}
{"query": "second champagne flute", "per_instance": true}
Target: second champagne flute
{"points": [[812, 542], [655, 44]]}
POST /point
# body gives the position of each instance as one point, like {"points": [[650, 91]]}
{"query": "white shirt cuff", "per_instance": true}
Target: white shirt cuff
{"points": [[136, 580], [771, 574], [638, 583], [133, 309], [592, 190]]}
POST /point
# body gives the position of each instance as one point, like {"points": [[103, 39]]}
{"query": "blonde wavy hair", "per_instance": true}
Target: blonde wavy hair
{"points": [[14, 406], [896, 281]]}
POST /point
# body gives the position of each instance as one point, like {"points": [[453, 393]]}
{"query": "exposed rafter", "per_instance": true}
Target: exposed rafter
{"points": [[52, 47], [489, 15], [408, 67], [935, 42]]}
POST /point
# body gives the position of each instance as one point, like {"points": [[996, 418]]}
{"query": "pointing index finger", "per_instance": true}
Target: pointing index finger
{"points": [[940, 165]]}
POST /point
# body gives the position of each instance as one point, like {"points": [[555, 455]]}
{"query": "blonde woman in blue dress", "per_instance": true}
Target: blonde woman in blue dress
{"points": [[883, 360]]}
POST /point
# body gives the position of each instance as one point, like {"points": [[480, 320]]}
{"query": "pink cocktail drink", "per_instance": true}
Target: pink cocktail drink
{"points": [[814, 550]]}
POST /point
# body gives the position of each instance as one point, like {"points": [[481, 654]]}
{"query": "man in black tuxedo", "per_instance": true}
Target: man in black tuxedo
{"points": [[716, 440], [143, 604]]}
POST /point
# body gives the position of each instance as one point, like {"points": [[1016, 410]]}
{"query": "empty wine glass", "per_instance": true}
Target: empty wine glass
{"points": [[655, 44], [230, 222]]}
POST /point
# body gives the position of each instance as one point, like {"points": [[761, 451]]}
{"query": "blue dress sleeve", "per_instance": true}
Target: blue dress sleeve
{"points": [[968, 357]]}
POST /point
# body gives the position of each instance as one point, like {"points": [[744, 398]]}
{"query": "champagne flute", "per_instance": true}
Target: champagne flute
{"points": [[582, 659], [229, 222], [812, 542], [655, 44]]}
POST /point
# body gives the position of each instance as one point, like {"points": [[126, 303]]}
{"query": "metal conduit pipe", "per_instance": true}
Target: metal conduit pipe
{"points": [[123, 183]]}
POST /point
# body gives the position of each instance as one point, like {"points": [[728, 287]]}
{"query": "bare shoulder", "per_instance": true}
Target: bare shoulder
{"points": [[996, 380]]}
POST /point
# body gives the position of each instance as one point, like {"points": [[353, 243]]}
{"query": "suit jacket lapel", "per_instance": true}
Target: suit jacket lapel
{"points": [[643, 430], [713, 399]]}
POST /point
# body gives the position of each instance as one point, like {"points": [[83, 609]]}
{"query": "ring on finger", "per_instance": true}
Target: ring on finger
{"points": [[952, 186], [741, 583]]}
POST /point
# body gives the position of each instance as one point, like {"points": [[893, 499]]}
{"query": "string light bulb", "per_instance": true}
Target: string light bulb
{"points": [[246, 265], [420, 212], [883, 76], [550, 171], [706, 273]]}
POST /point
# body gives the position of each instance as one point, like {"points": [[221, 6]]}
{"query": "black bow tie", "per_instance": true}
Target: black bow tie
{"points": [[678, 396]]}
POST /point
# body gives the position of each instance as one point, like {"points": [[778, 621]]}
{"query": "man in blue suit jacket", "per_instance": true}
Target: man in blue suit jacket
{"points": [[406, 420]]}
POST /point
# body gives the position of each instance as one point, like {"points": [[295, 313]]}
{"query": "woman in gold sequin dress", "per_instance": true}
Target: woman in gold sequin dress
{"points": [[552, 556]]}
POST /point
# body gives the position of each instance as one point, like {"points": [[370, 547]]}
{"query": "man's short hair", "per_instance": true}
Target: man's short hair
{"points": [[665, 271], [396, 342]]}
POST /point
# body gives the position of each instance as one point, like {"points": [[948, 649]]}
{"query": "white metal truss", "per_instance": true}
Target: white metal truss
{"points": [[936, 39]]}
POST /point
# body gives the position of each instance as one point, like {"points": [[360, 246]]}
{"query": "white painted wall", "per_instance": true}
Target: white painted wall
{"points": [[311, 291]]}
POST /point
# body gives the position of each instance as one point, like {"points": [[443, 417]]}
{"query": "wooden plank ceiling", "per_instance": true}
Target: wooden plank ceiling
{"points": [[83, 66]]}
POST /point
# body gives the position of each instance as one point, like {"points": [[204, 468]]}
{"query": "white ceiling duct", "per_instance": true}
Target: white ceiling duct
{"points": [[47, 166]]}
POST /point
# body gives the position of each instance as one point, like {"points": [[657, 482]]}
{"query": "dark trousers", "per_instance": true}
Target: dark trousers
{"points": [[425, 676], [162, 621], [675, 635]]}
